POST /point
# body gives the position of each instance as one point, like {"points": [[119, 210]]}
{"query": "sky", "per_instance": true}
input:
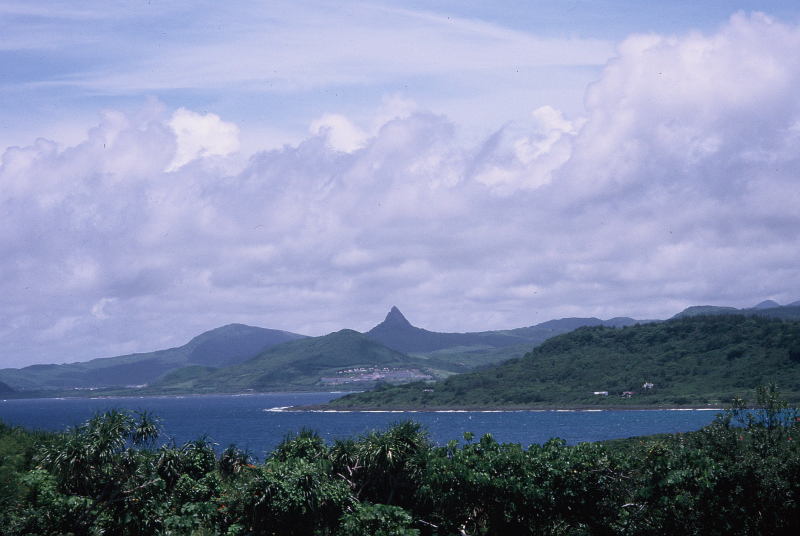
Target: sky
{"points": [[169, 167]]}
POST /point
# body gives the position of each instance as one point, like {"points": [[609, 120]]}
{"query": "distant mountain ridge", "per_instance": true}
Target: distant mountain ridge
{"points": [[205, 359], [300, 364], [398, 333], [222, 346], [766, 308], [234, 343], [694, 360]]}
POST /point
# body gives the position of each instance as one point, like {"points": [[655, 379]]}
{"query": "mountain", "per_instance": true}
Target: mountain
{"points": [[301, 365], [397, 333], [222, 346], [5, 389], [767, 304], [767, 308], [690, 360], [210, 361], [551, 328], [477, 348], [697, 310], [233, 344]]}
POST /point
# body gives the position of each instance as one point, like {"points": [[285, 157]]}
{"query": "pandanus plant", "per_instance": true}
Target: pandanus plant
{"points": [[101, 461], [383, 466]]}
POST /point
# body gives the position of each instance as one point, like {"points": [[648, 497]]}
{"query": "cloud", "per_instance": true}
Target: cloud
{"points": [[667, 101], [273, 69], [201, 136], [688, 141], [525, 156], [342, 134], [678, 187]]}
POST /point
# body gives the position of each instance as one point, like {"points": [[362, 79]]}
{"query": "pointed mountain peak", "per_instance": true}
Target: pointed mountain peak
{"points": [[396, 318]]}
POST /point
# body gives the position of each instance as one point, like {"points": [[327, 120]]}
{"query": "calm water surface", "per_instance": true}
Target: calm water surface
{"points": [[257, 422]]}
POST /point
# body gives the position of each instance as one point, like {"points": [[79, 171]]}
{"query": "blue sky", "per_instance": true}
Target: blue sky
{"points": [[170, 167]]}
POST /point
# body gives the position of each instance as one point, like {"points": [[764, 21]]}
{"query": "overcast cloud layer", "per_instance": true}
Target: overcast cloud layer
{"points": [[677, 184]]}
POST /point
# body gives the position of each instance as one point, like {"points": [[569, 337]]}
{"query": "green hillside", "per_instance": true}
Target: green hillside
{"points": [[476, 358], [300, 365], [222, 346], [694, 360], [765, 309], [474, 349]]}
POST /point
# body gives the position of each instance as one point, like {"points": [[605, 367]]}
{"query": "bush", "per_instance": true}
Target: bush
{"points": [[377, 520], [739, 475]]}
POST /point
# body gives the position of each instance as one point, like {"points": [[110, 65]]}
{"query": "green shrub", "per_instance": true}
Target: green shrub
{"points": [[377, 520]]}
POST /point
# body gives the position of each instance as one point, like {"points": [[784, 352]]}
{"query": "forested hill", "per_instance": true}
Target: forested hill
{"points": [[689, 361]]}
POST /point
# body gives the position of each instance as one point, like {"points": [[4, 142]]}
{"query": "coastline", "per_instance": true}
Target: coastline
{"points": [[326, 408], [126, 395]]}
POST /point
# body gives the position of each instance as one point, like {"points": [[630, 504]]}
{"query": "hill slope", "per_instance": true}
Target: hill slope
{"points": [[477, 348], [300, 365], [692, 360], [397, 333], [767, 309], [222, 346]]}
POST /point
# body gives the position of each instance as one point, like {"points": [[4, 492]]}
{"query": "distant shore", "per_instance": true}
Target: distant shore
{"points": [[495, 409], [368, 409], [88, 395], [361, 408]]}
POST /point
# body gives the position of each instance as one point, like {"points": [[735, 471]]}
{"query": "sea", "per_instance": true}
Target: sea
{"points": [[259, 422]]}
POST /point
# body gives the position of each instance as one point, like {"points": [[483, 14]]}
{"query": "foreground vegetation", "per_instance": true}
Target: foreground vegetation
{"points": [[738, 475], [700, 360]]}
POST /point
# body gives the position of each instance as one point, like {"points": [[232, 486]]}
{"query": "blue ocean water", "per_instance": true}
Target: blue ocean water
{"points": [[258, 422]]}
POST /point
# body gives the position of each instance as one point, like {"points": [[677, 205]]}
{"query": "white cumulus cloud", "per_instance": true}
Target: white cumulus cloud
{"points": [[678, 187], [341, 133], [200, 136]]}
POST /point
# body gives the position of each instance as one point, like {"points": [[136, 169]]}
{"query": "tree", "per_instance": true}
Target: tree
{"points": [[99, 465], [384, 466]]}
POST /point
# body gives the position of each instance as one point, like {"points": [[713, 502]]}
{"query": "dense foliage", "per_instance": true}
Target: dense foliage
{"points": [[738, 475], [689, 361]]}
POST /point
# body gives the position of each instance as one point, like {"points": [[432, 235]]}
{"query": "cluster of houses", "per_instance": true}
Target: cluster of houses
{"points": [[625, 394], [364, 374]]}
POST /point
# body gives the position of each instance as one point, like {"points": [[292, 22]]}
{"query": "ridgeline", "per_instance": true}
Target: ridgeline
{"points": [[298, 365], [705, 369], [220, 347], [687, 361]]}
